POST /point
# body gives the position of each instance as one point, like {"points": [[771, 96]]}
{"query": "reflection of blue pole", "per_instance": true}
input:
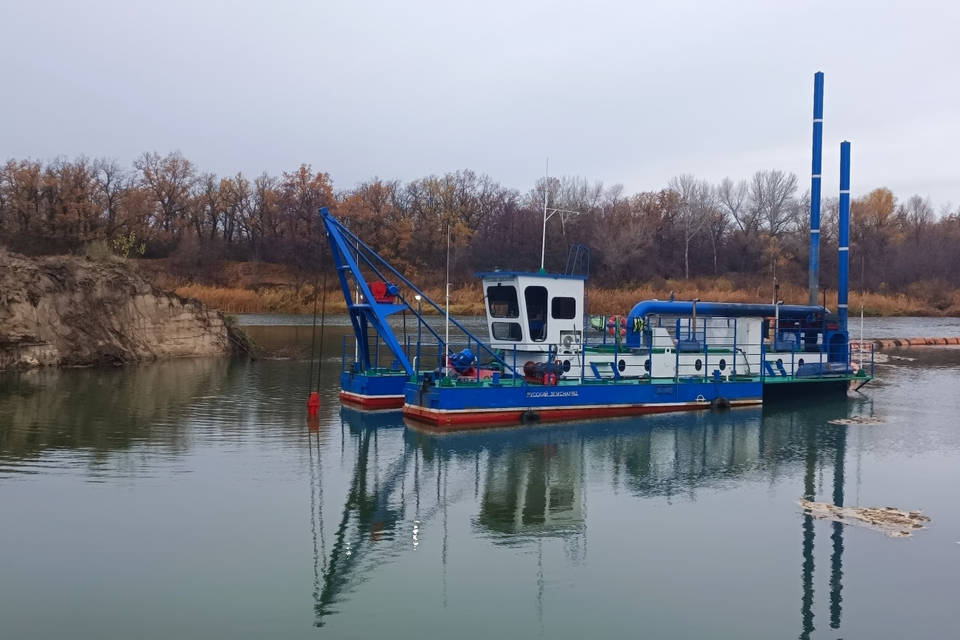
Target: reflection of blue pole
{"points": [[815, 186], [843, 260]]}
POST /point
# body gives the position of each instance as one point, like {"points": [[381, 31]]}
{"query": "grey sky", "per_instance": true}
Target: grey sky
{"points": [[628, 92]]}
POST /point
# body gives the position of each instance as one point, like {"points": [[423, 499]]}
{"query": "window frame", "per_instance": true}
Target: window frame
{"points": [[515, 301], [498, 324], [553, 309]]}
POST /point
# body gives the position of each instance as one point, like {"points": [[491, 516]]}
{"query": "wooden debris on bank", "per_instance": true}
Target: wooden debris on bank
{"points": [[893, 522]]}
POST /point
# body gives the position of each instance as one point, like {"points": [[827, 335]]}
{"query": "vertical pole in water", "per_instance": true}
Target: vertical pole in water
{"points": [[843, 259], [815, 186]]}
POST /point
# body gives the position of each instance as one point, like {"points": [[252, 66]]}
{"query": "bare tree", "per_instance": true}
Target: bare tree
{"points": [[697, 202], [170, 180], [915, 215], [207, 206], [111, 184], [237, 207], [733, 198], [718, 221], [772, 199]]}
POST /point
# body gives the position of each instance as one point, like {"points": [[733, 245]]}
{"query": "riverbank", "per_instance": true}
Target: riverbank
{"points": [[467, 299], [75, 311]]}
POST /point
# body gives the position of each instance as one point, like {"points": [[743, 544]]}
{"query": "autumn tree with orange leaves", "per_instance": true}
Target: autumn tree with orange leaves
{"points": [[170, 209]]}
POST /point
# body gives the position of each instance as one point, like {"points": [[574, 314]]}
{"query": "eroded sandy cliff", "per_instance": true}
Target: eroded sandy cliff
{"points": [[72, 311]]}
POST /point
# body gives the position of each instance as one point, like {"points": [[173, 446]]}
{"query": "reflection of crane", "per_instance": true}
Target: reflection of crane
{"points": [[534, 491], [366, 512], [533, 487], [365, 532]]}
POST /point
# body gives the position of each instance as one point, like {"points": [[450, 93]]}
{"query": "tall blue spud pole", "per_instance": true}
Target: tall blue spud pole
{"points": [[815, 186], [843, 260]]}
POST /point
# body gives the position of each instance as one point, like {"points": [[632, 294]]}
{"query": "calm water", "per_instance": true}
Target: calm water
{"points": [[191, 499]]}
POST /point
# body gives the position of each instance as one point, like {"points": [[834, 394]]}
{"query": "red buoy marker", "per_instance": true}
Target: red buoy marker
{"points": [[313, 403]]}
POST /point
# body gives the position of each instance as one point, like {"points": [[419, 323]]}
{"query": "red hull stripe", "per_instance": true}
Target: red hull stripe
{"points": [[482, 418], [371, 402]]}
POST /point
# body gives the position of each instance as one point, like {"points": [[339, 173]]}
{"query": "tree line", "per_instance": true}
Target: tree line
{"points": [[165, 207]]}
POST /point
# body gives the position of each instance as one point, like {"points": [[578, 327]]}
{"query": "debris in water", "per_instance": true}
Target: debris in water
{"points": [[893, 522], [902, 358], [856, 420]]}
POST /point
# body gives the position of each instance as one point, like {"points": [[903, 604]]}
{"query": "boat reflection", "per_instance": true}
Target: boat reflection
{"points": [[530, 484], [537, 491]]}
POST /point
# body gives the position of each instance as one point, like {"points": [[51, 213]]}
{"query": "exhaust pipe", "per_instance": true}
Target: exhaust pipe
{"points": [[814, 282], [843, 259]]}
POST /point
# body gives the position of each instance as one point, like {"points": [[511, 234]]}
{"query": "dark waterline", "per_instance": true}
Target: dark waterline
{"points": [[192, 499]]}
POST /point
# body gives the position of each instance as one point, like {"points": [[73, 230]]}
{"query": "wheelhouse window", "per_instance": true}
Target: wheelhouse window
{"points": [[507, 331], [563, 308], [502, 302], [536, 299]]}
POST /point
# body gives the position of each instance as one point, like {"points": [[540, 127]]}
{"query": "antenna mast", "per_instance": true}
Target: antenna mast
{"points": [[547, 214], [543, 243], [446, 336]]}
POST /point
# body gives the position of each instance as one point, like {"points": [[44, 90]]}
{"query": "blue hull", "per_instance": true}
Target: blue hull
{"points": [[467, 406], [382, 391]]}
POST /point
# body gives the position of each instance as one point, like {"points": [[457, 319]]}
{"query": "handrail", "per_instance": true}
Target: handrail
{"points": [[698, 365]]}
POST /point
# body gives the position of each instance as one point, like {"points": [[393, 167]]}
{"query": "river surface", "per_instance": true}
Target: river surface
{"points": [[194, 499]]}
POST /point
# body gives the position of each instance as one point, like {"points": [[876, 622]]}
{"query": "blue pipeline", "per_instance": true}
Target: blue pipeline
{"points": [[843, 260], [714, 309], [814, 283]]}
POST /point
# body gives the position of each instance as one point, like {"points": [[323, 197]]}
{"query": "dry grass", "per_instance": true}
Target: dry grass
{"points": [[612, 301], [264, 288], [465, 300], [468, 300], [235, 300]]}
